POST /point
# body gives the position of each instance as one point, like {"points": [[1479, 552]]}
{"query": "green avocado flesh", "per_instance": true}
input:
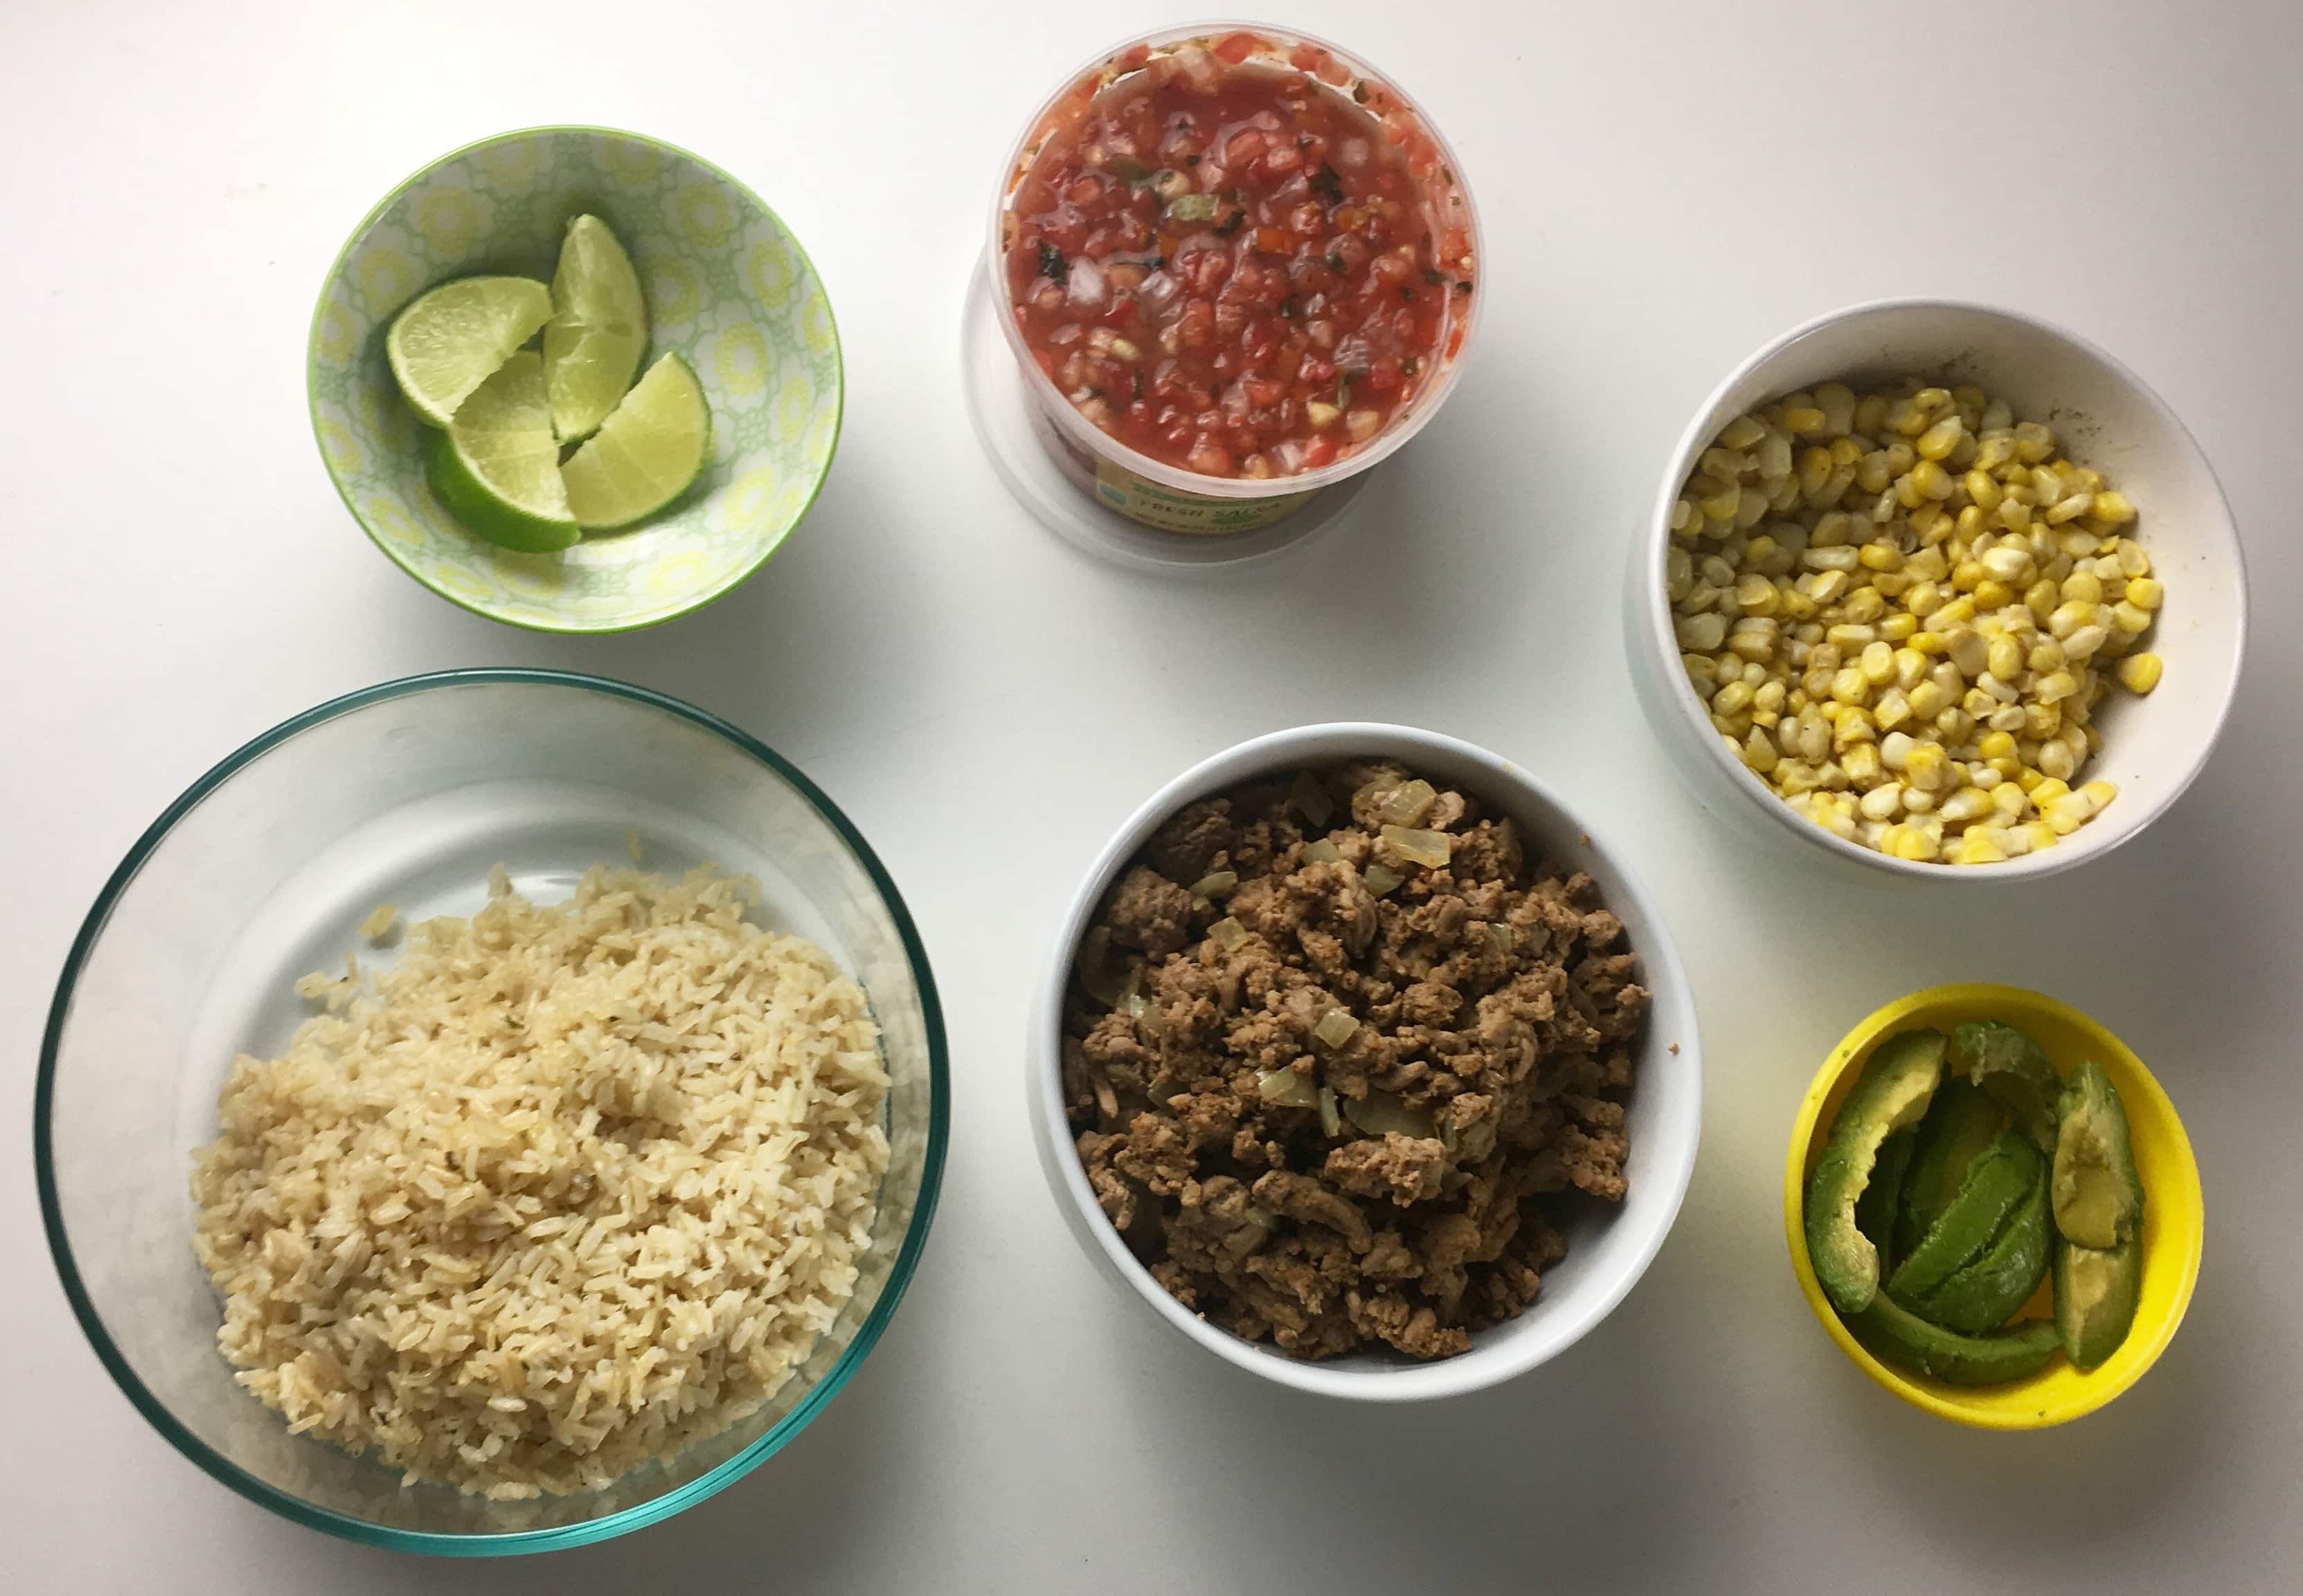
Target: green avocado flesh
{"points": [[1963, 1121], [1875, 1210], [1891, 1095], [2096, 1295], [2098, 1200], [1904, 1339], [1995, 1187], [2009, 1065], [2000, 1279]]}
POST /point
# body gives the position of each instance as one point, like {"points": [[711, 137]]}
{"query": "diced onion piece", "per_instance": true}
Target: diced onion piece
{"points": [[1381, 878], [1228, 932], [1312, 798], [1126, 997], [1331, 1121], [1193, 207], [1321, 851], [1215, 884], [1336, 1027], [1407, 803], [1505, 938], [1380, 1113], [1287, 1089], [1430, 850]]}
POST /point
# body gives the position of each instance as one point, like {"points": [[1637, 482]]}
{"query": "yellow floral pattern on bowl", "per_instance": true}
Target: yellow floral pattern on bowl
{"points": [[728, 287]]}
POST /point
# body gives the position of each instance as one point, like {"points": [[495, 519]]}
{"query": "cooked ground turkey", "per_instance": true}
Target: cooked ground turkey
{"points": [[1331, 1095]]}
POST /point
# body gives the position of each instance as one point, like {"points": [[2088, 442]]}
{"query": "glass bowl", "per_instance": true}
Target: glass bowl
{"points": [[407, 793]]}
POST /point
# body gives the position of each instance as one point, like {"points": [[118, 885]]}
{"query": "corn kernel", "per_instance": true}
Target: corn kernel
{"points": [[2083, 586], [1899, 627], [1992, 596], [2139, 673], [1940, 439], [2112, 508], [2145, 594], [1974, 849], [1881, 556]]}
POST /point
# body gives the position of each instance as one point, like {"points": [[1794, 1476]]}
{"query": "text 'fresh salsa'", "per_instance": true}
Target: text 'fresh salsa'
{"points": [[1230, 265]]}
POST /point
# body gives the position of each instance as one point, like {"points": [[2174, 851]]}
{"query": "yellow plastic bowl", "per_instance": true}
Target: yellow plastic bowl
{"points": [[2174, 1214]]}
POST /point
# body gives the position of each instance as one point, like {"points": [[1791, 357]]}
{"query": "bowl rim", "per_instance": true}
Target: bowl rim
{"points": [[1857, 1043], [656, 1509], [1481, 1366], [1655, 610], [553, 629]]}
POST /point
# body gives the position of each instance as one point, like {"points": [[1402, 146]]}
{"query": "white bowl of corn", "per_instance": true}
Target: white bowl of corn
{"points": [[1941, 588]]}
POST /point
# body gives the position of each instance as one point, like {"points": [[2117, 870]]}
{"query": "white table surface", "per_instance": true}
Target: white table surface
{"points": [[1663, 188]]}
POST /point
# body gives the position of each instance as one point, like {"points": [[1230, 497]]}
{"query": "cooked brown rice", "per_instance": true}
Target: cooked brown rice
{"points": [[566, 1190]]}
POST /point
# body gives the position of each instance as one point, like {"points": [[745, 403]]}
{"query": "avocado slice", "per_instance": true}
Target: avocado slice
{"points": [[2013, 1068], [2098, 1198], [1904, 1339], [1875, 1210], [1961, 1122], [1891, 1095], [2097, 1291], [2002, 1278], [1995, 1188]]}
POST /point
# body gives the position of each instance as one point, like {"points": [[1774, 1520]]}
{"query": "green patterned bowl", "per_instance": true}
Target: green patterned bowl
{"points": [[728, 287]]}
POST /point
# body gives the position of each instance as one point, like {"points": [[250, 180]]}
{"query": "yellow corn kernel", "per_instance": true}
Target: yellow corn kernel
{"points": [[1927, 565], [1992, 595], [2047, 654], [1758, 753], [1929, 700], [1757, 595], [2101, 793], [2130, 619], [1798, 605], [1814, 470], [1862, 763], [1977, 849], [1878, 664], [2068, 812], [2049, 791], [1898, 627], [1907, 842], [2008, 798], [2042, 720], [2145, 594], [2112, 508], [1932, 481], [2139, 673], [1911, 668], [2013, 514], [1997, 745], [1983, 492], [1940, 439], [2071, 615], [1865, 605], [2040, 834], [1802, 419], [2005, 658], [1880, 556], [2083, 586], [1925, 766], [2132, 561], [1967, 575], [1733, 699]]}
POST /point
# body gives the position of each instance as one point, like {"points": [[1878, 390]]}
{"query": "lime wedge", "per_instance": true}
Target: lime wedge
{"points": [[598, 329], [498, 465], [646, 453], [449, 340]]}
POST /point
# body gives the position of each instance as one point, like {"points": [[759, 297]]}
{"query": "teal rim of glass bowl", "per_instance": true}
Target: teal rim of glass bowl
{"points": [[562, 1536], [360, 231]]}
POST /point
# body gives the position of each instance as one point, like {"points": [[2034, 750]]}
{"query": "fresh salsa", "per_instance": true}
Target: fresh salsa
{"points": [[1231, 264]]}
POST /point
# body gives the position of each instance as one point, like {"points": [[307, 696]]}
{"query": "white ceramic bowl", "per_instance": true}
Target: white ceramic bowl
{"points": [[1606, 1252], [2105, 417]]}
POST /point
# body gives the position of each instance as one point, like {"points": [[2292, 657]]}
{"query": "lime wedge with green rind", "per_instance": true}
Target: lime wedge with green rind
{"points": [[498, 466], [449, 340], [598, 330], [647, 451]]}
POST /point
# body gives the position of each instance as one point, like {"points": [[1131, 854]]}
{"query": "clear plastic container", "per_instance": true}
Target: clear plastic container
{"points": [[1171, 498]]}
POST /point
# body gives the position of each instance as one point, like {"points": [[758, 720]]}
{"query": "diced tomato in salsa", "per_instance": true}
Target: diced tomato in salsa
{"points": [[1228, 267]]}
